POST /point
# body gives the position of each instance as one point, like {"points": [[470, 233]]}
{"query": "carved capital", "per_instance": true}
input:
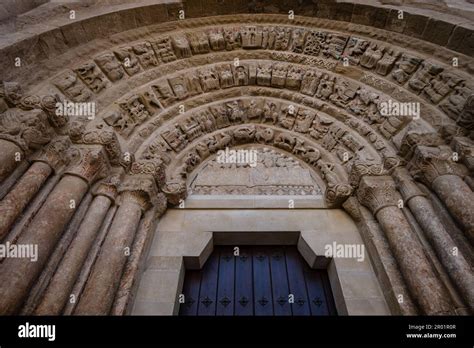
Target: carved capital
{"points": [[175, 191], [108, 187], [464, 147], [411, 140], [363, 168], [91, 165], [11, 93], [142, 189], [337, 188], [29, 130], [154, 167], [161, 204], [429, 163], [405, 184], [48, 104], [336, 194], [352, 207], [466, 116], [57, 153], [377, 192], [100, 136]]}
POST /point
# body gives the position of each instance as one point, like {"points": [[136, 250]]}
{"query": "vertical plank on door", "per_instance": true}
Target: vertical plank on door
{"points": [[297, 282], [191, 288], [280, 288], [316, 294], [328, 293], [262, 283], [225, 289], [208, 293], [244, 283]]}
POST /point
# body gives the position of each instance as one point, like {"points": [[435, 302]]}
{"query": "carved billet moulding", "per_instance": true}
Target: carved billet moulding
{"points": [[91, 165], [377, 192]]}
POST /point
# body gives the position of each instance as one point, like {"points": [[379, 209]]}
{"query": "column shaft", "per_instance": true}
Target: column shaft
{"points": [[7, 158], [62, 282], [99, 292], [17, 275], [454, 262], [380, 195], [459, 199], [21, 194], [422, 281]]}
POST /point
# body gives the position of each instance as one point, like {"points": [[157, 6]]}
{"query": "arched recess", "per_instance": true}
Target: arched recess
{"points": [[78, 160]]}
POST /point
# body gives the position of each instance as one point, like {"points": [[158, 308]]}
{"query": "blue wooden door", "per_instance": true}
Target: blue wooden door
{"points": [[262, 280]]}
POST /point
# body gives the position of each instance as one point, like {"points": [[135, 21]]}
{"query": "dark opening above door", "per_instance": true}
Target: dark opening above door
{"points": [[262, 280]]}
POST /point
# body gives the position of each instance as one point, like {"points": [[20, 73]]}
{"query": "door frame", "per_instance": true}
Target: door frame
{"points": [[184, 239]]}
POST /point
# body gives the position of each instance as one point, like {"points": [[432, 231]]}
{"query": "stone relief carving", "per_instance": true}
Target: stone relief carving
{"points": [[29, 129], [424, 77], [338, 188], [428, 163], [72, 87], [265, 178], [92, 76], [128, 60], [111, 66], [91, 164], [57, 153], [101, 136]]}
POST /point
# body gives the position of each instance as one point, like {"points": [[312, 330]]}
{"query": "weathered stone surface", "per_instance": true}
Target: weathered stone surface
{"points": [[454, 261], [379, 194], [17, 275], [103, 282], [170, 95], [62, 282], [8, 158], [20, 195]]}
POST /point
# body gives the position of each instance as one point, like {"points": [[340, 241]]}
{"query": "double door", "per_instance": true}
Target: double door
{"points": [[261, 280]]}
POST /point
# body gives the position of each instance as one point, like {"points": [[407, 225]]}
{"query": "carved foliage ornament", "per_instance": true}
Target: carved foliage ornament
{"points": [[429, 163], [91, 165], [377, 192], [29, 130], [57, 153]]}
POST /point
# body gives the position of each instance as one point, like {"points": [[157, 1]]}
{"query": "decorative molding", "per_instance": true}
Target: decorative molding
{"points": [[58, 153], [142, 189], [91, 165], [29, 129], [378, 192], [429, 163]]}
